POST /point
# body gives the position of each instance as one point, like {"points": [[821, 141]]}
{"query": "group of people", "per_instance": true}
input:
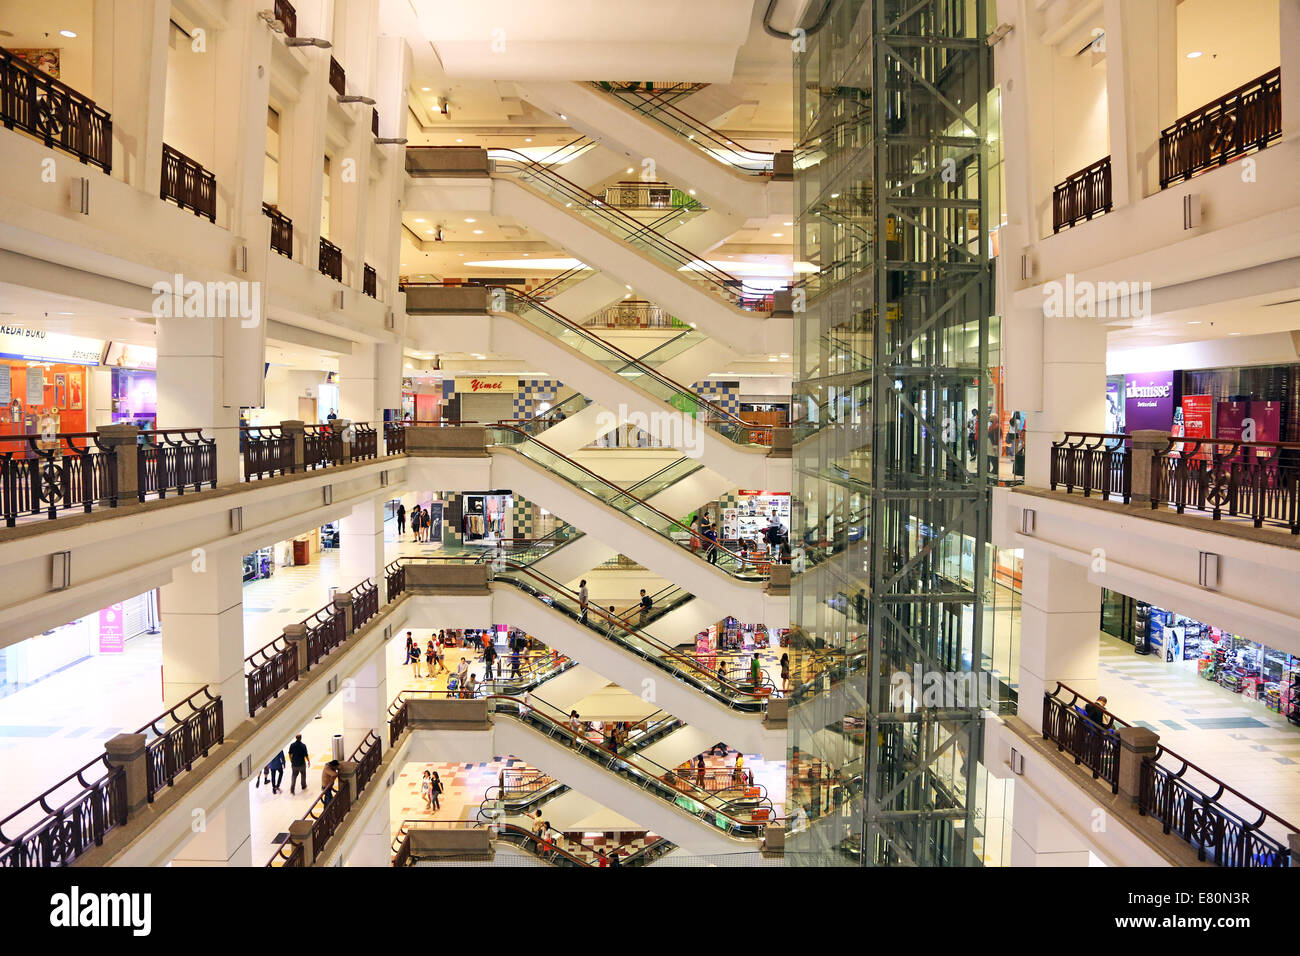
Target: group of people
{"points": [[548, 839], [434, 657], [774, 539], [299, 761], [705, 532], [431, 790], [421, 523], [993, 434]]}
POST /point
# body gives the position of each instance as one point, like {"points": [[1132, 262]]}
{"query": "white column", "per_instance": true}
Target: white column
{"points": [[375, 845], [365, 702], [130, 70], [1289, 27], [302, 135], [1060, 613], [358, 385], [224, 836], [1039, 837], [1141, 91], [1073, 374], [191, 386], [361, 543], [203, 631]]}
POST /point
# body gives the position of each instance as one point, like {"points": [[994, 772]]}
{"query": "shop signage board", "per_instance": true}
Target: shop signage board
{"points": [[112, 632], [486, 385], [26, 344], [1149, 400]]}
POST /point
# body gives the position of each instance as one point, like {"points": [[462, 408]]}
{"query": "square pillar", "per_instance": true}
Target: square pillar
{"points": [[222, 837], [375, 846], [365, 702], [1039, 837], [1059, 623], [361, 543], [1073, 373], [191, 386], [130, 80], [203, 629]]}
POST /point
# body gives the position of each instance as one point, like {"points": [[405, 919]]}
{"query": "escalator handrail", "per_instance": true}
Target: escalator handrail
{"points": [[740, 559], [719, 139], [668, 653], [632, 361], [728, 283], [657, 771]]}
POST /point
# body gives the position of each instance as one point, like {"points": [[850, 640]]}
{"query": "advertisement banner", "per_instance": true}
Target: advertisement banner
{"points": [[112, 632], [1198, 420], [487, 385], [1149, 400], [1267, 417], [1229, 420], [1115, 408]]}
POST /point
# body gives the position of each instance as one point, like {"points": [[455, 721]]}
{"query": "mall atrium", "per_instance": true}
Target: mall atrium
{"points": [[782, 433]]}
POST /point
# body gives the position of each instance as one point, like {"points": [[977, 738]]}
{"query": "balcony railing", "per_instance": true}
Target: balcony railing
{"points": [[188, 184], [374, 122], [395, 437], [634, 314], [71, 818], [1091, 741], [1083, 195], [285, 13], [59, 472], [369, 281], [174, 459], [338, 79], [1200, 815], [268, 671], [1248, 118], [180, 736], [331, 260], [1092, 462], [36, 103], [266, 451], [322, 446], [281, 230]]}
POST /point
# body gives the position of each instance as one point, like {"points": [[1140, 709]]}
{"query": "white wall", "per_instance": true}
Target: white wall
{"points": [[1080, 135], [1239, 40]]}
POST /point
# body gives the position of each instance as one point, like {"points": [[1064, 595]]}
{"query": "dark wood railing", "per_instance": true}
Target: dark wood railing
{"points": [[338, 79], [1083, 195], [1092, 461], [365, 602], [399, 717], [268, 671], [1256, 480], [395, 577], [395, 437], [367, 757], [326, 630], [68, 829], [58, 472], [181, 735], [266, 452], [35, 102], [1092, 743], [401, 847], [1245, 119], [369, 281], [287, 15], [289, 854], [188, 184], [365, 442], [174, 459], [326, 818], [331, 260], [322, 446], [1199, 816], [281, 230]]}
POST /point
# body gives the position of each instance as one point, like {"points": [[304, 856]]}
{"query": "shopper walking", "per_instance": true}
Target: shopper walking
{"points": [[430, 657], [426, 790], [489, 655], [695, 531], [401, 520], [413, 657], [514, 664], [299, 761], [435, 790], [582, 599], [785, 674], [612, 624], [276, 766]]}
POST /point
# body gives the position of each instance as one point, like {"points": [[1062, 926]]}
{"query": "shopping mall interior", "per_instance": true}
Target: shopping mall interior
{"points": [[901, 467]]}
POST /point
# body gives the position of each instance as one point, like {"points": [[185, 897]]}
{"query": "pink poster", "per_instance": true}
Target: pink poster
{"points": [[112, 634], [1229, 418], [1198, 414]]}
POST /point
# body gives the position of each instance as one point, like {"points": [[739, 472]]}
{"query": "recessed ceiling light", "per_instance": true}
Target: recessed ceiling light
{"points": [[67, 33], [459, 140], [428, 232], [528, 139], [424, 89], [67, 313], [835, 195], [1195, 54], [1234, 333], [471, 220], [789, 224], [1197, 322], [478, 232], [777, 235], [629, 169], [563, 117], [419, 220], [692, 192]]}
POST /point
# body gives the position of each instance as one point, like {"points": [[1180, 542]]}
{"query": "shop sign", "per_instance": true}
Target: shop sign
{"points": [[38, 345], [1149, 400], [112, 630], [488, 384], [125, 355], [1198, 420]]}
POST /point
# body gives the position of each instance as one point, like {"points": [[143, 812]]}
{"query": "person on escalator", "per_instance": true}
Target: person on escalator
{"points": [[699, 771], [489, 655], [582, 599], [575, 725], [646, 603], [514, 664], [711, 548], [612, 628]]}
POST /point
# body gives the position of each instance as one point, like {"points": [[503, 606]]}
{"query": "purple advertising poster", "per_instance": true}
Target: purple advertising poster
{"points": [[1229, 419], [1149, 400], [1114, 409], [1267, 417], [112, 635]]}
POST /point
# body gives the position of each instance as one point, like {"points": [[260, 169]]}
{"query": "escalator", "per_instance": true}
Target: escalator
{"points": [[547, 850], [640, 123], [643, 258]]}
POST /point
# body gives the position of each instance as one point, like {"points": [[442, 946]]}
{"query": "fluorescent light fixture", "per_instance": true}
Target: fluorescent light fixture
{"points": [[1195, 55], [558, 264], [67, 33], [478, 232], [471, 220]]}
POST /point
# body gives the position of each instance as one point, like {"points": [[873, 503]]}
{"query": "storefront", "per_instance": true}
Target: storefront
{"points": [[1260, 403], [485, 398], [753, 513], [485, 517], [1253, 670], [134, 384], [43, 380], [107, 631]]}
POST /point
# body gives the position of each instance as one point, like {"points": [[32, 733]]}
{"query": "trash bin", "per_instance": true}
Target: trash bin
{"points": [[336, 747], [301, 551]]}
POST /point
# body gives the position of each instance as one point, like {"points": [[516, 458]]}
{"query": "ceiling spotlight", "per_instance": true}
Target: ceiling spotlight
{"points": [[67, 33], [471, 220], [528, 139], [1195, 55], [563, 117], [478, 232], [419, 220]]}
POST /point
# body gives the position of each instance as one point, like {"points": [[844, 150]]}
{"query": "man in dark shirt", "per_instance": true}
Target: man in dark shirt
{"points": [[299, 761], [646, 603], [276, 767]]}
